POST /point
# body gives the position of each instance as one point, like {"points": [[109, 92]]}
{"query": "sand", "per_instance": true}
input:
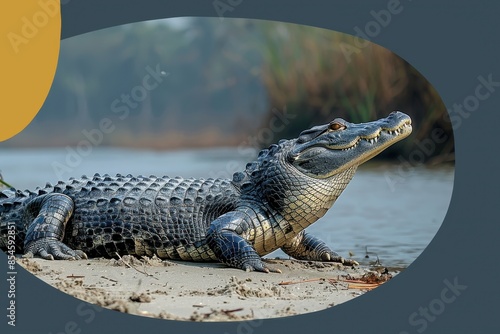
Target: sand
{"points": [[207, 291]]}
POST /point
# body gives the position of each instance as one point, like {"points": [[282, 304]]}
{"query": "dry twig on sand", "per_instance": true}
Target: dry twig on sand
{"points": [[128, 265]]}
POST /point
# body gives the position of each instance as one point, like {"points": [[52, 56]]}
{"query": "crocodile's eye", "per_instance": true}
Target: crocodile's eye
{"points": [[336, 126]]}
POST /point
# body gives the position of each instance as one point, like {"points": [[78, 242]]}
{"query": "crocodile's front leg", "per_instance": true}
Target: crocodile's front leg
{"points": [[225, 239], [307, 247], [45, 233]]}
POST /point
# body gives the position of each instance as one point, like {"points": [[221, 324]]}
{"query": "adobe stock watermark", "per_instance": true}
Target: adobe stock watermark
{"points": [[427, 147], [120, 108], [247, 149], [371, 29], [11, 273], [31, 25], [85, 312], [425, 315], [249, 326], [223, 6]]}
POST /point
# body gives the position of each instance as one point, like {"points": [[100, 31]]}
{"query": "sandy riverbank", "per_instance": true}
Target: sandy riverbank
{"points": [[206, 291]]}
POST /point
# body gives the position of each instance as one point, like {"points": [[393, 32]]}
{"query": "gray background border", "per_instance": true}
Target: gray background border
{"points": [[451, 43]]}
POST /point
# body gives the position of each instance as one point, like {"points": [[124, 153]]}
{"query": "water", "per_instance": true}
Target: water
{"points": [[393, 213]]}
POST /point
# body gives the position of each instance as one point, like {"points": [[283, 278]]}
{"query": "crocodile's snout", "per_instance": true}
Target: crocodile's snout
{"points": [[326, 150]]}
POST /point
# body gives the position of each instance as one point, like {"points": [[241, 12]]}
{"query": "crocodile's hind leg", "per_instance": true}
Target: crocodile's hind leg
{"points": [[44, 236], [307, 247]]}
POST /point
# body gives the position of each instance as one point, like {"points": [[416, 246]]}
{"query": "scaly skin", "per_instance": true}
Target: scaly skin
{"points": [[267, 206]]}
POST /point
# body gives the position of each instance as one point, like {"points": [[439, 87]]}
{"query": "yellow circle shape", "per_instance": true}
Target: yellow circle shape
{"points": [[31, 36]]}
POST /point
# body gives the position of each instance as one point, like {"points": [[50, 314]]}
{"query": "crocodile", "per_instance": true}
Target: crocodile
{"points": [[235, 221]]}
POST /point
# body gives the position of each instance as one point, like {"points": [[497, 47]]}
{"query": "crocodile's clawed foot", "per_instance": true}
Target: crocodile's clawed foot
{"points": [[350, 262], [50, 249], [334, 257], [259, 266]]}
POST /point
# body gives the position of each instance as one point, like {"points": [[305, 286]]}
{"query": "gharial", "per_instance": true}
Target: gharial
{"points": [[236, 221]]}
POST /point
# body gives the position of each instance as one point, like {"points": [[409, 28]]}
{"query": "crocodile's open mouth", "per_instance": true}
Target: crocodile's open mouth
{"points": [[388, 134]]}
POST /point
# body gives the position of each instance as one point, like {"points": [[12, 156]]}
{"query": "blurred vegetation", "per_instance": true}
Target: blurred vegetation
{"points": [[319, 75], [3, 183], [224, 79]]}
